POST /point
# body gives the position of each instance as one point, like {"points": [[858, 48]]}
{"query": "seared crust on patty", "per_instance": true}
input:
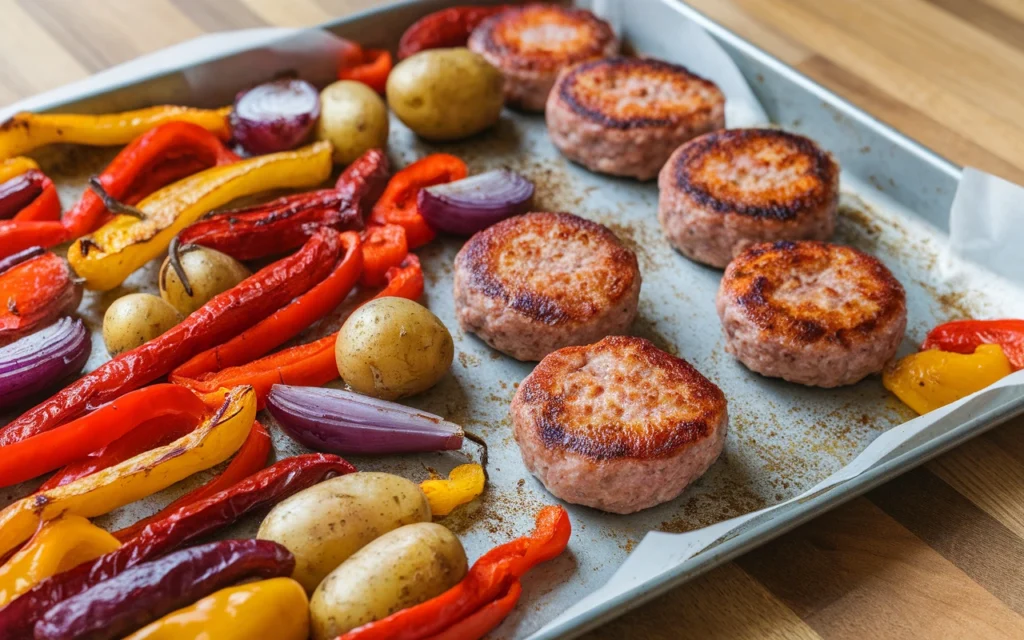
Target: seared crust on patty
{"points": [[625, 116], [726, 190], [531, 44], [811, 312], [537, 282], [618, 425]]}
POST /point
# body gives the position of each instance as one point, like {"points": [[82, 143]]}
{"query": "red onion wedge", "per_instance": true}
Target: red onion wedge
{"points": [[275, 116], [345, 422], [42, 359], [472, 204]]}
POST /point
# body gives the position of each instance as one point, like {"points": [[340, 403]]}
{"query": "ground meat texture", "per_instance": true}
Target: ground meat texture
{"points": [[625, 116], [724, 191], [814, 313], [541, 281], [619, 425], [532, 44]]}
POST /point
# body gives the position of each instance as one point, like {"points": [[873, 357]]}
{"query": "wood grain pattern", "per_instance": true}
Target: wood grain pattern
{"points": [[933, 554]]}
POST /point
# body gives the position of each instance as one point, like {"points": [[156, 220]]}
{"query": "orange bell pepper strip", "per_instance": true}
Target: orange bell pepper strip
{"points": [[35, 289], [964, 336], [383, 247], [398, 203], [369, 66]]}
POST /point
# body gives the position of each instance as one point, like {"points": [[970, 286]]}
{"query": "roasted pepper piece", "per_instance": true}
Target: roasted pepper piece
{"points": [[108, 256], [488, 580], [369, 66], [19, 193], [264, 489], [16, 166], [446, 28], [241, 613], [58, 546], [398, 204], [20, 235], [383, 247], [214, 441], [463, 485], [147, 591], [45, 208], [963, 336], [927, 380], [486, 619], [36, 290], [226, 315], [21, 461], [24, 132]]}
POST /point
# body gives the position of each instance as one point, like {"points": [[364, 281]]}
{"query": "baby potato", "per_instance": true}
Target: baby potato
{"points": [[328, 522], [402, 568], [135, 319], [446, 94], [393, 347], [209, 273], [353, 118]]}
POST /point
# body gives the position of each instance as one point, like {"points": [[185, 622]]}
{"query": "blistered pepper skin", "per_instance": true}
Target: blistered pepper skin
{"points": [[928, 380]]}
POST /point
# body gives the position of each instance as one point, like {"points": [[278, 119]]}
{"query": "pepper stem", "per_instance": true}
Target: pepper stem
{"points": [[112, 203], [472, 437], [174, 252]]}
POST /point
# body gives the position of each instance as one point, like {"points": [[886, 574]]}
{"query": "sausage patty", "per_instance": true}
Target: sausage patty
{"points": [[724, 191], [531, 44], [815, 313], [625, 116], [619, 425], [541, 281]]}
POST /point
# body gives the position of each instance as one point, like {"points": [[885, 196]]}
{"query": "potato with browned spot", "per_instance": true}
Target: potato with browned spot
{"points": [[135, 319], [328, 522], [400, 569], [209, 273]]}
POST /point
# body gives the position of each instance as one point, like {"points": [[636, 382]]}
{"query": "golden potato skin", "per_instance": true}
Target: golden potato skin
{"points": [[400, 569], [392, 348], [135, 319], [446, 94], [209, 272], [328, 522], [353, 118]]}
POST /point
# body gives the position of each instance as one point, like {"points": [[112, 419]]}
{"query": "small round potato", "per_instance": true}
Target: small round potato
{"points": [[209, 272], [353, 118], [393, 347], [328, 522], [135, 319], [446, 94], [400, 569]]}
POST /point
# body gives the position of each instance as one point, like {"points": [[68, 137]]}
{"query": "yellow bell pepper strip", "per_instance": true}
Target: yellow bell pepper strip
{"points": [[464, 483], [59, 545], [211, 443], [930, 379], [277, 607], [16, 167], [115, 250], [24, 132]]}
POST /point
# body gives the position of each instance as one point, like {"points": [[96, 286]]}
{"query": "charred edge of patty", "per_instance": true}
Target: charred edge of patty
{"points": [[484, 37], [536, 391], [754, 298], [640, 66], [824, 170], [476, 258]]}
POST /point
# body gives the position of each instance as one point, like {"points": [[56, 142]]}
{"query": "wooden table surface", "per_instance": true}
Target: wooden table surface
{"points": [[937, 552]]}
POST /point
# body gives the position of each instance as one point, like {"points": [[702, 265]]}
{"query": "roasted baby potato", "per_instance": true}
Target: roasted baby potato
{"points": [[400, 569], [135, 319], [326, 523], [393, 347], [446, 94], [209, 273], [352, 117]]}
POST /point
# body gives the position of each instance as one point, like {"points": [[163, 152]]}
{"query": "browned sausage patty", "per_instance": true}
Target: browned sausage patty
{"points": [[531, 44], [619, 425], [815, 313], [541, 281], [625, 116], [724, 191]]}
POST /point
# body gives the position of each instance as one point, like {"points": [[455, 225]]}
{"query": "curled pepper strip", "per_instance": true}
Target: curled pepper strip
{"points": [[930, 379], [398, 203], [484, 620], [369, 66], [446, 28], [266, 488], [490, 579], [384, 247], [964, 336], [464, 483]]}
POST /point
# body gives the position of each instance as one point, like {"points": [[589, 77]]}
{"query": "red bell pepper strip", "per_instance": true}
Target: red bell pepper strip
{"points": [[37, 290], [18, 235], [398, 204], [29, 196], [224, 316], [446, 28], [488, 580], [24, 460], [251, 457], [45, 208], [363, 182], [384, 247], [486, 619], [964, 336], [266, 488], [371, 68]]}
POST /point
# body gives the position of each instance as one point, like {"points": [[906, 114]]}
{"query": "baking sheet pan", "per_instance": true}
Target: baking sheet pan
{"points": [[783, 440]]}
